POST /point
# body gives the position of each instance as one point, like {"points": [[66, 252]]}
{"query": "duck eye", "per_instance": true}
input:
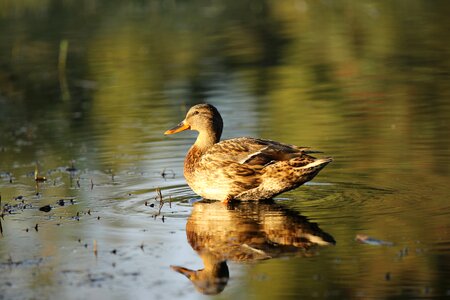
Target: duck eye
{"points": [[195, 113]]}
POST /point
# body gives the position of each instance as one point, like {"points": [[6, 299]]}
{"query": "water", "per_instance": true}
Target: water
{"points": [[365, 82]]}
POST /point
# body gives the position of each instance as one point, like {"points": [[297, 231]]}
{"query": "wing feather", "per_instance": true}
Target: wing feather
{"points": [[254, 152]]}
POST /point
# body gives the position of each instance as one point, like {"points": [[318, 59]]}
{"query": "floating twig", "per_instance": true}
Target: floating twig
{"points": [[158, 192], [37, 177], [161, 201], [169, 171], [95, 248]]}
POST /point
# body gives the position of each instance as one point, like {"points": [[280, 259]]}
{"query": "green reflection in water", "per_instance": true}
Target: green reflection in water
{"points": [[364, 81]]}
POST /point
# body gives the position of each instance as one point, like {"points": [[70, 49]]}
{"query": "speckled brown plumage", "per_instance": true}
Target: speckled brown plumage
{"points": [[241, 168]]}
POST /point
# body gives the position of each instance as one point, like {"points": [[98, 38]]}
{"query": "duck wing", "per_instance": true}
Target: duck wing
{"points": [[255, 152]]}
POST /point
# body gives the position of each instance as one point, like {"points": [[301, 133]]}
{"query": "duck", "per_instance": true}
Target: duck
{"points": [[242, 168]]}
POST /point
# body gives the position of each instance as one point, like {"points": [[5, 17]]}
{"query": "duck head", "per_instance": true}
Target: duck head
{"points": [[211, 280], [205, 119]]}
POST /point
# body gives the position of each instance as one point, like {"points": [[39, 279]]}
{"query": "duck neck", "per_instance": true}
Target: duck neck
{"points": [[206, 139]]}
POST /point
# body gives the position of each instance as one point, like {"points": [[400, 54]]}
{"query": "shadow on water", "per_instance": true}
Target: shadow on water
{"points": [[245, 232]]}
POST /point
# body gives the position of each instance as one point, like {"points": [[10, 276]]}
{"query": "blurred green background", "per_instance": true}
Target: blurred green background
{"points": [[367, 82]]}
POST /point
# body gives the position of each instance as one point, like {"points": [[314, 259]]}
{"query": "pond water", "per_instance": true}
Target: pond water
{"points": [[87, 90]]}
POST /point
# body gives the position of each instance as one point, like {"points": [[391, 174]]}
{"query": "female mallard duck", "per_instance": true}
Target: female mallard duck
{"points": [[241, 168]]}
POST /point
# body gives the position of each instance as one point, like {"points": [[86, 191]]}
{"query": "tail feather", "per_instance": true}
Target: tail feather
{"points": [[277, 180]]}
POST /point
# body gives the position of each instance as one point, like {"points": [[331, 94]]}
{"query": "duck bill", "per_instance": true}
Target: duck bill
{"points": [[186, 272], [180, 127]]}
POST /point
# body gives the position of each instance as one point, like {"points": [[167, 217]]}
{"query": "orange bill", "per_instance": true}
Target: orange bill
{"points": [[186, 272], [180, 127]]}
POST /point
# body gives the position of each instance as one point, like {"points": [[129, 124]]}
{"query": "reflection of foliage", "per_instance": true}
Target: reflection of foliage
{"points": [[368, 79]]}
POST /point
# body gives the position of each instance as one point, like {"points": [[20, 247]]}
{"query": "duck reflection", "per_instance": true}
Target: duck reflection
{"points": [[245, 232]]}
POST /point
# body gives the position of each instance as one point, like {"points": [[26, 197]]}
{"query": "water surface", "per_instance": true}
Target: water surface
{"points": [[87, 90]]}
